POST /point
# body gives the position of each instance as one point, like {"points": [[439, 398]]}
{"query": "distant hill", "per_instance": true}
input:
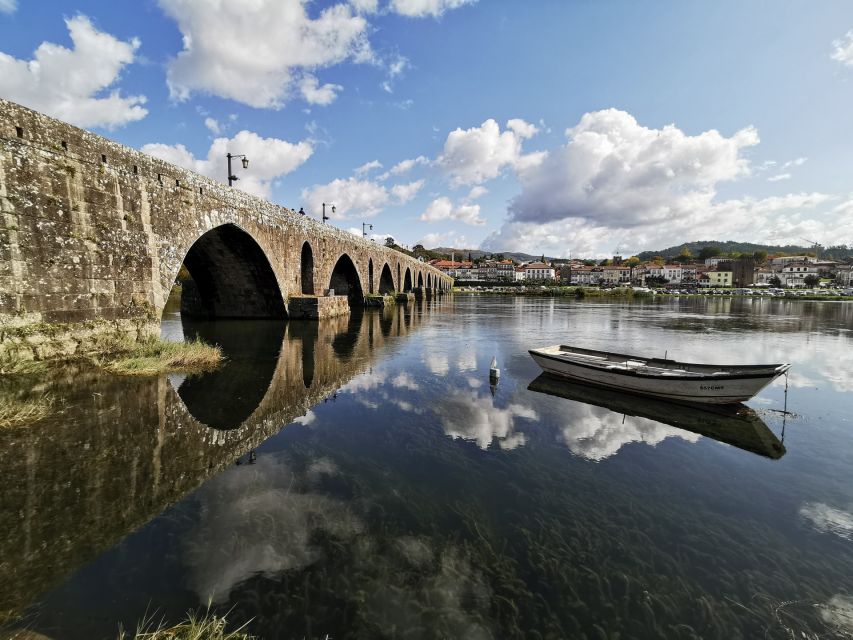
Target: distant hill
{"points": [[729, 246], [462, 254]]}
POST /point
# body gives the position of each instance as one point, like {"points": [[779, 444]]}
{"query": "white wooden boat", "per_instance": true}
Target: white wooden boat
{"points": [[679, 381]]}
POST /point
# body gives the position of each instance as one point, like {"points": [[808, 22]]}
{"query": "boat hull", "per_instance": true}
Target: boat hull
{"points": [[703, 390]]}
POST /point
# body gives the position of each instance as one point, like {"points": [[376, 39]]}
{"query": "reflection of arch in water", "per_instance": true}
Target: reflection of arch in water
{"points": [[386, 281], [231, 278], [407, 282], [306, 331], [345, 342], [306, 269], [737, 425], [224, 398], [345, 281]]}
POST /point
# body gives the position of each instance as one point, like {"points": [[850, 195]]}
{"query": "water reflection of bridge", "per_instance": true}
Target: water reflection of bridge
{"points": [[124, 449]]}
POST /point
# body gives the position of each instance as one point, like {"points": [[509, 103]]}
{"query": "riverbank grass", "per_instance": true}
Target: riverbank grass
{"points": [[154, 356], [197, 626], [16, 412]]}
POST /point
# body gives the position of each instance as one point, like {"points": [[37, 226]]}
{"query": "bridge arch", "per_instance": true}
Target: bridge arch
{"points": [[370, 276], [399, 278], [420, 278], [386, 281], [407, 283], [231, 277], [306, 269], [346, 281]]}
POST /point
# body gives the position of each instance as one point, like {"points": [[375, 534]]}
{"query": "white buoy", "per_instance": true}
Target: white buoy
{"points": [[494, 372]]}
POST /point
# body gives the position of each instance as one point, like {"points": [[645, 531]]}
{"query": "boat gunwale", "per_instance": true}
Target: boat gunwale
{"points": [[758, 371]]}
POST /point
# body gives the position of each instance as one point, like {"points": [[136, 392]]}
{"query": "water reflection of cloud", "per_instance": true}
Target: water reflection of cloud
{"points": [[467, 361], [364, 382], [838, 613], [828, 519], [404, 381], [309, 418], [437, 363], [596, 433], [468, 416], [255, 520]]}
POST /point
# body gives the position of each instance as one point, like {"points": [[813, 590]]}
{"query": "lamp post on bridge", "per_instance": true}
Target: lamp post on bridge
{"points": [[231, 176], [325, 217], [363, 232]]}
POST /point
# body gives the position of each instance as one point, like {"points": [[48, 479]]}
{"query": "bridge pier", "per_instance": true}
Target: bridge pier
{"points": [[378, 301], [404, 298], [317, 307]]}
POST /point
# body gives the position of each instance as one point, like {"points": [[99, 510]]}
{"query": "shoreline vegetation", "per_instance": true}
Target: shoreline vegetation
{"points": [[197, 626], [153, 356], [17, 412], [118, 355], [581, 292]]}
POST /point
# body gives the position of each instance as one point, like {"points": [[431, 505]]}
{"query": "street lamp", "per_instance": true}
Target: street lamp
{"points": [[325, 217], [363, 232], [231, 176]]}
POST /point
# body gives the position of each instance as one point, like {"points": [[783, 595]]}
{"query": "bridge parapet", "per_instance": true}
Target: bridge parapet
{"points": [[93, 234]]}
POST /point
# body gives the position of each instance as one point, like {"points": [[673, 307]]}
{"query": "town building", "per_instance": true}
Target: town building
{"points": [[743, 270], [539, 271], [673, 273], [794, 274], [781, 261], [716, 279]]}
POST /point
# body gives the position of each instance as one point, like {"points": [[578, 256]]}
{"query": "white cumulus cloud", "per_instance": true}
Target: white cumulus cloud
{"points": [[269, 158], [253, 52], [423, 8], [615, 170], [404, 166], [213, 126], [476, 193], [367, 167], [8, 6], [473, 156], [405, 192], [779, 177], [74, 84], [843, 49], [350, 197], [442, 209], [314, 93]]}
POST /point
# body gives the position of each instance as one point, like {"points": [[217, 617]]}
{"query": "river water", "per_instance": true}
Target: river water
{"points": [[361, 478]]}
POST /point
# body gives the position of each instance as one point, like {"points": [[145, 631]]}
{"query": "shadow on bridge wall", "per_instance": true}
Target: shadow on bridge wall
{"points": [[124, 449]]}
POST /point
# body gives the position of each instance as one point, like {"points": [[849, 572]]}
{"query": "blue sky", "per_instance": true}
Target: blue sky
{"points": [[550, 126]]}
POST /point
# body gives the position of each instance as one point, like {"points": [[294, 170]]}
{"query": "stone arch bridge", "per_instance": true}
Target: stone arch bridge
{"points": [[94, 232]]}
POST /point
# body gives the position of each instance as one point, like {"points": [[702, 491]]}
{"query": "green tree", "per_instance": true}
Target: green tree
{"points": [[389, 242], [760, 257], [633, 261], [774, 281], [708, 252], [811, 281]]}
